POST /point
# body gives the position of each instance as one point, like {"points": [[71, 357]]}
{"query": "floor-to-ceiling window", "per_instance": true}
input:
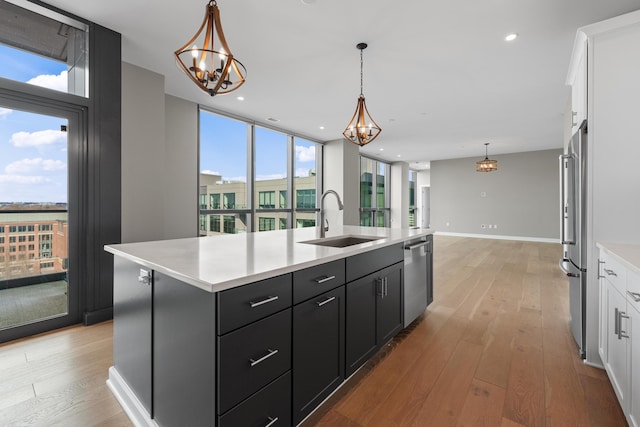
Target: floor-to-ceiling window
{"points": [[374, 193], [41, 137], [413, 177], [266, 178]]}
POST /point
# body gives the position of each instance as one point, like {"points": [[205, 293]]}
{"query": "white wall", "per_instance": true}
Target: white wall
{"points": [[424, 180], [399, 195], [342, 174]]}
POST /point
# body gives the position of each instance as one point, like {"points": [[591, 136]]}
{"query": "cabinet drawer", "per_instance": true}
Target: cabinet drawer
{"points": [[315, 280], [272, 404], [369, 262], [614, 272], [240, 306], [633, 289], [251, 357]]}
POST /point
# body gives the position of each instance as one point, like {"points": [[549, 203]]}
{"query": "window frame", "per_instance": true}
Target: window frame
{"points": [[374, 211], [253, 210]]}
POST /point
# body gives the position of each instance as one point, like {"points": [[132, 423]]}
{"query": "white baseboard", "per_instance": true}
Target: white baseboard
{"points": [[128, 400], [491, 236]]}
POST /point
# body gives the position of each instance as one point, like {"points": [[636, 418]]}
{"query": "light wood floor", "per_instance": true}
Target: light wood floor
{"points": [[494, 349]]}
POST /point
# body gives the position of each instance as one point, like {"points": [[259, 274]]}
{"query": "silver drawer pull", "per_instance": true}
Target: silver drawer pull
{"points": [[622, 333], [263, 358], [327, 301], [264, 301], [324, 279], [610, 272], [272, 421], [634, 295]]}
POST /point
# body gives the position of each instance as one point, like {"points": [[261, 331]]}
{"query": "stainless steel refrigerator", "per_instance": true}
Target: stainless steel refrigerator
{"points": [[573, 173]]}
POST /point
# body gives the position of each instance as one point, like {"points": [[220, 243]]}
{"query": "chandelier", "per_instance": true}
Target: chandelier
{"points": [[486, 165], [212, 66], [362, 129]]}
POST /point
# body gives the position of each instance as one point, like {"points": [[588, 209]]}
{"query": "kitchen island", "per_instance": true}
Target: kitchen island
{"points": [[251, 328]]}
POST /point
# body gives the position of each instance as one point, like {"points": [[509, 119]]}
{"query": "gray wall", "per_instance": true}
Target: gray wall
{"points": [[181, 168], [159, 160], [521, 197]]}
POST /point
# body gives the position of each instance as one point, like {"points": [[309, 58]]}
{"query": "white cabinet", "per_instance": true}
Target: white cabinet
{"points": [[619, 340], [633, 410], [577, 79]]}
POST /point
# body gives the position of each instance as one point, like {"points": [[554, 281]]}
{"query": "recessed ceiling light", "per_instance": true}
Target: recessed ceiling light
{"points": [[321, 127], [382, 149], [272, 119], [399, 155], [307, 2], [240, 98], [511, 37]]}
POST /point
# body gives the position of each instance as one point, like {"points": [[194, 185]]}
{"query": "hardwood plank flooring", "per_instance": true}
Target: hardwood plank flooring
{"points": [[494, 349]]}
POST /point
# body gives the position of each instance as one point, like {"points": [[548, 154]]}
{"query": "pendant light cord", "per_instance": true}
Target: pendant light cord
{"points": [[361, 67]]}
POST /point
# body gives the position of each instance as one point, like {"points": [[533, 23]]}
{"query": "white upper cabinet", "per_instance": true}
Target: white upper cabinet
{"points": [[577, 80]]}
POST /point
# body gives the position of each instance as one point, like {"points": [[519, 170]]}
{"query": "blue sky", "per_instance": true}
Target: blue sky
{"points": [[33, 150], [223, 148]]}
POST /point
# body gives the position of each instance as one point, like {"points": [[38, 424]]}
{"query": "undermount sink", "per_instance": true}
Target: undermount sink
{"points": [[342, 241]]}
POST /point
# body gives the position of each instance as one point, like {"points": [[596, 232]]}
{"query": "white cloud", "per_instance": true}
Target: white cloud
{"points": [[210, 172], [50, 81], [302, 172], [27, 166], [305, 154], [23, 180], [4, 112], [38, 138]]}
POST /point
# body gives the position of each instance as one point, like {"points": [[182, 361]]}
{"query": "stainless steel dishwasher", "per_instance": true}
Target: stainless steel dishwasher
{"points": [[418, 279]]}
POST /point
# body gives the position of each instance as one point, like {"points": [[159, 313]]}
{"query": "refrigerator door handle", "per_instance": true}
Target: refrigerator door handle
{"points": [[568, 190], [567, 272]]}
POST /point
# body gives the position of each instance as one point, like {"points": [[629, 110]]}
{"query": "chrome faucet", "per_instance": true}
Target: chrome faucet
{"points": [[324, 228]]}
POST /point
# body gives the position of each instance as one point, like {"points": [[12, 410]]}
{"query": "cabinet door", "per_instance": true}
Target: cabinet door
{"points": [[604, 317], [318, 350], [132, 327], [633, 330], [579, 91], [617, 344], [361, 321], [390, 319]]}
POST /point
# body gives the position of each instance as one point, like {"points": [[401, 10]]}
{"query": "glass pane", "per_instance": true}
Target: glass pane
{"points": [[55, 51], [412, 198], [380, 185], [366, 182], [305, 219], [304, 181], [365, 219], [381, 219], [33, 218], [223, 164], [270, 221], [270, 161]]}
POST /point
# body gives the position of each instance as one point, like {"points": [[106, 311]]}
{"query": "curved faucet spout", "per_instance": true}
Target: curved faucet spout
{"points": [[324, 228]]}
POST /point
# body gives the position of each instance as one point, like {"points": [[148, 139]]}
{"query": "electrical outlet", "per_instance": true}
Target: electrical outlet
{"points": [[447, 223], [495, 226], [490, 226]]}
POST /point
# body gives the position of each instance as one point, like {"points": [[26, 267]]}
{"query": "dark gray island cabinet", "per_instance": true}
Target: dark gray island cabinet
{"points": [[266, 353]]}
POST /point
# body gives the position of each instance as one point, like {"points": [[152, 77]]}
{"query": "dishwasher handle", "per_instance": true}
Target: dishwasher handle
{"points": [[416, 245]]}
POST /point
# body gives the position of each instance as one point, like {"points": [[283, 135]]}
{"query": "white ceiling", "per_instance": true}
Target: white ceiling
{"points": [[439, 78]]}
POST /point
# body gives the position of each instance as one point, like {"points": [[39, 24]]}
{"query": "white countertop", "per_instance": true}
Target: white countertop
{"points": [[216, 263], [628, 254]]}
